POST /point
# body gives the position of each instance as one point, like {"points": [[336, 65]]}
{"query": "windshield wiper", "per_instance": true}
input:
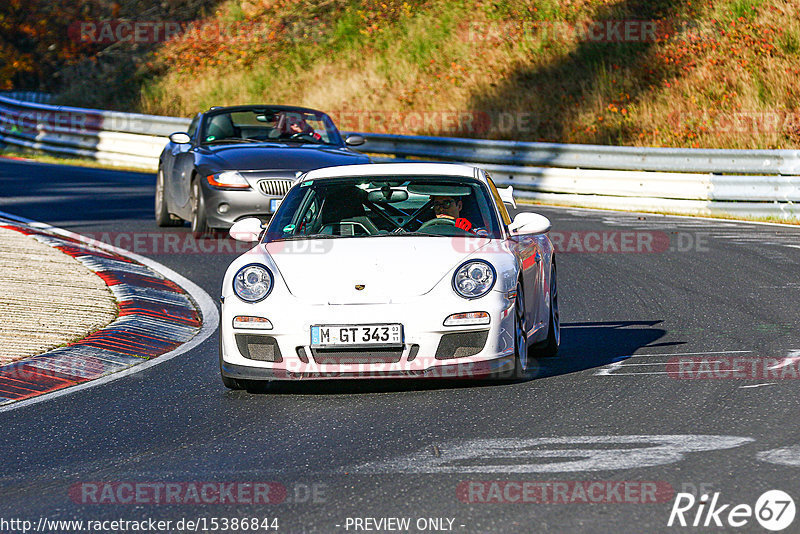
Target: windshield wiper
{"points": [[307, 236], [245, 140], [304, 141], [426, 234]]}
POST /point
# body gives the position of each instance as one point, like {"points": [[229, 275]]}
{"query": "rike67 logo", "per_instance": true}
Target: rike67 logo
{"points": [[774, 511]]}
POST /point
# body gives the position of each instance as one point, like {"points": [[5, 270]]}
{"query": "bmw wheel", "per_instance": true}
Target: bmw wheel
{"points": [[199, 221], [163, 216]]}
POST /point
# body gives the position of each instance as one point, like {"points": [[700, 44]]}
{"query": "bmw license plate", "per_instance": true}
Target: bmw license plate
{"points": [[274, 203], [373, 334]]}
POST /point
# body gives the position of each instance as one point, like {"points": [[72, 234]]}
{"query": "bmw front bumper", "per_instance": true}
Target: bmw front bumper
{"points": [[225, 207]]}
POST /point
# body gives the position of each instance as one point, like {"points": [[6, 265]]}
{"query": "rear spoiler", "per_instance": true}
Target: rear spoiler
{"points": [[507, 196]]}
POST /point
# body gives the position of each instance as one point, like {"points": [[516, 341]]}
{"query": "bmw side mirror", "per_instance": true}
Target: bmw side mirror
{"points": [[355, 140], [180, 138], [529, 223], [246, 230]]}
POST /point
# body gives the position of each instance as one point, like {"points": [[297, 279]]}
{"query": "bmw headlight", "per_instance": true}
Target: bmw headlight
{"points": [[228, 180], [253, 283], [474, 279]]}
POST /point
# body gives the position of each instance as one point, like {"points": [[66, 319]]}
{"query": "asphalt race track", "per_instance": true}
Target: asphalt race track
{"points": [[620, 410]]}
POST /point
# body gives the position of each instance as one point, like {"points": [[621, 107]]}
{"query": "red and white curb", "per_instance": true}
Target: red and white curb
{"points": [[161, 315]]}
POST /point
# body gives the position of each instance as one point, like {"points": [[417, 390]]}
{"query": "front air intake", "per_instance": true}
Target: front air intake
{"points": [[357, 356], [461, 344], [259, 348]]}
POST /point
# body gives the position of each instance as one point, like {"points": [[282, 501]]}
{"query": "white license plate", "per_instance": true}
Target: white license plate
{"points": [[373, 334], [274, 203]]}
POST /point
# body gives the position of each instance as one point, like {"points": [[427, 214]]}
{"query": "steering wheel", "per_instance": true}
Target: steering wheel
{"points": [[439, 221], [305, 136]]}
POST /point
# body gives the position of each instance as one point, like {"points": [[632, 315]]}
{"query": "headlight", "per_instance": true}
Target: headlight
{"points": [[474, 279], [228, 180], [253, 283]]}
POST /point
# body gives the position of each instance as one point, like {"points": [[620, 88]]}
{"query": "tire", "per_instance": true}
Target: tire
{"points": [[256, 386], [549, 347], [163, 216], [231, 383], [199, 222], [520, 335]]}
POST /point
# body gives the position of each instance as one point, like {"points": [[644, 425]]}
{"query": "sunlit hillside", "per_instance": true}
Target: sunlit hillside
{"points": [[631, 72]]}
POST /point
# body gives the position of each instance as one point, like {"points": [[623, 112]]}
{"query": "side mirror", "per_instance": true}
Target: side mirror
{"points": [[529, 223], [247, 230], [355, 140], [180, 138]]}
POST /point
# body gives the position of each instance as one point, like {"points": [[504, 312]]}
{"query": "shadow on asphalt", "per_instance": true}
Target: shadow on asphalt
{"points": [[583, 346], [596, 344]]}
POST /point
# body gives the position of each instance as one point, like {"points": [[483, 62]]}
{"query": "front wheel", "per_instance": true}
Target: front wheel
{"points": [[520, 336], [163, 216], [199, 222], [231, 383], [550, 346]]}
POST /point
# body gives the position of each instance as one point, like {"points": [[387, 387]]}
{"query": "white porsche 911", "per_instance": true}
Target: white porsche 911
{"points": [[389, 270]]}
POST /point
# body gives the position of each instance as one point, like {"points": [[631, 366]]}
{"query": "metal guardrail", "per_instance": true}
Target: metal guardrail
{"points": [[749, 183], [111, 137], [28, 96], [588, 156], [693, 181]]}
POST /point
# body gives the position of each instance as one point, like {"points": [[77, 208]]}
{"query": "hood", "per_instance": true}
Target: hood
{"points": [[326, 271], [252, 157]]}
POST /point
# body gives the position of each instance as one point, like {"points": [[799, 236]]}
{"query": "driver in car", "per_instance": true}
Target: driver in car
{"points": [[298, 126], [446, 207]]}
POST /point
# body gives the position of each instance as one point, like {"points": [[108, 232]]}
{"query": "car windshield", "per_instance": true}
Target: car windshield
{"points": [[385, 206], [269, 125]]}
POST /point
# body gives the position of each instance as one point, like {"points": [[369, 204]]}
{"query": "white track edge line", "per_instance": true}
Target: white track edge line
{"points": [[696, 217], [208, 309]]}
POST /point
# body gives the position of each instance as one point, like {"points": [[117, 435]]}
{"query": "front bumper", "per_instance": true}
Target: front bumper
{"points": [[502, 366], [421, 355], [224, 207]]}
